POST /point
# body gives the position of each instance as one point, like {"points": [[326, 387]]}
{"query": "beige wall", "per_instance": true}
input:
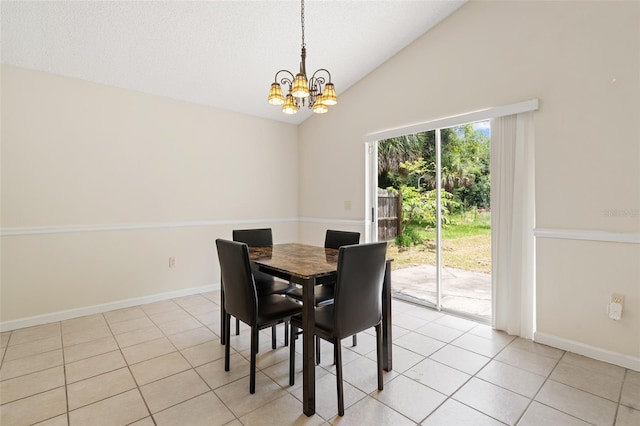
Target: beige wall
{"points": [[488, 54], [77, 154]]}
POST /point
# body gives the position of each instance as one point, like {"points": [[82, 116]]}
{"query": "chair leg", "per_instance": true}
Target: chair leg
{"points": [[355, 340], [222, 316], [237, 327], [292, 356], [223, 326], [286, 333], [317, 350], [273, 336], [338, 352], [254, 349], [227, 337], [379, 355]]}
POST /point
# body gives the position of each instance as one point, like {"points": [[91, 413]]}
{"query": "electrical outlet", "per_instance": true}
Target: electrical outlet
{"points": [[172, 262], [614, 308], [617, 298]]}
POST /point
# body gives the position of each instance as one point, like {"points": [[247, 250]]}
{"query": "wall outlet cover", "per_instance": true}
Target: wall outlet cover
{"points": [[615, 311]]}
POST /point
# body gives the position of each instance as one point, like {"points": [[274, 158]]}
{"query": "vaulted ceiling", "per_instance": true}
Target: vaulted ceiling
{"points": [[222, 54]]}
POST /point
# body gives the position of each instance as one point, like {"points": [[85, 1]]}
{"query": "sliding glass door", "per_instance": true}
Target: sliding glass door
{"points": [[442, 250], [465, 246]]}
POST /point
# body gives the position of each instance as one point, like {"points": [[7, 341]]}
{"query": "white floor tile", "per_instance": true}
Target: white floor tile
{"points": [[588, 407], [492, 400], [370, 411], [173, 390], [203, 410], [438, 376], [121, 409], [455, 413], [285, 410], [447, 371], [460, 359], [410, 398], [539, 414], [627, 416], [631, 390], [237, 398], [527, 360], [420, 344], [512, 378]]}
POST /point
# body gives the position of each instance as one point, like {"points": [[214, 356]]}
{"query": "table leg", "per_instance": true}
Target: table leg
{"points": [[387, 344], [308, 352]]}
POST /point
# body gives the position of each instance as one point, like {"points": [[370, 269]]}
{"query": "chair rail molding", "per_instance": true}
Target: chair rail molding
{"points": [[588, 235], [353, 222], [9, 232]]}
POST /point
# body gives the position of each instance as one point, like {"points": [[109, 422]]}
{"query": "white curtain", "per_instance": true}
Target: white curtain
{"points": [[512, 224]]}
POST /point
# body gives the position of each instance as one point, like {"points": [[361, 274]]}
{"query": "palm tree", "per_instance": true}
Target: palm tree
{"points": [[393, 151]]}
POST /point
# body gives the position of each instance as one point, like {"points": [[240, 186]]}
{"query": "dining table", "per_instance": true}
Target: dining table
{"points": [[309, 266]]}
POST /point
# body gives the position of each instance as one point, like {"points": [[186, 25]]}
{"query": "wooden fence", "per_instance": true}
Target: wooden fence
{"points": [[389, 215]]}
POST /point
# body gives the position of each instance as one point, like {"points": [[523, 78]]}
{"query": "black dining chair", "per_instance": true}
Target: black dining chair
{"points": [[243, 301], [324, 293], [265, 283], [357, 306]]}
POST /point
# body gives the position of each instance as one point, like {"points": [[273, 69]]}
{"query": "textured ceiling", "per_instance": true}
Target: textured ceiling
{"points": [[222, 54]]}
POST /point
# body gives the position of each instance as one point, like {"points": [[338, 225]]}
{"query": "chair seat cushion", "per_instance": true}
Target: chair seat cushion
{"points": [[324, 294], [324, 320], [274, 307], [325, 323], [268, 285]]}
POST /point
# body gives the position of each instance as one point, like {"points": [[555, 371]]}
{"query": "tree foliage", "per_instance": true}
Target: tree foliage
{"points": [[408, 164], [393, 151]]}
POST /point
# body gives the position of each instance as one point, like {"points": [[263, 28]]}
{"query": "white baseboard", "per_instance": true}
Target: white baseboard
{"points": [[105, 307], [605, 355]]}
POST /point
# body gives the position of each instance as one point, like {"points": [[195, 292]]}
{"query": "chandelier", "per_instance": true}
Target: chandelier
{"points": [[317, 92]]}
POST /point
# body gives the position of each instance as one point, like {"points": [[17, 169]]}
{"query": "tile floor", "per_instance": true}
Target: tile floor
{"points": [[162, 364]]}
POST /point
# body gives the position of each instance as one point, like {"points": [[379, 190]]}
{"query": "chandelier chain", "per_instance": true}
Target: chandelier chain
{"points": [[302, 19]]}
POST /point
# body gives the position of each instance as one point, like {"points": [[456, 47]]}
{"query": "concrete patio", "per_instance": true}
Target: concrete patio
{"points": [[463, 291]]}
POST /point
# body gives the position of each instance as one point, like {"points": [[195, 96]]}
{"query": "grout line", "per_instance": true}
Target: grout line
{"points": [[471, 376], [546, 379], [266, 333], [130, 372], [64, 373], [4, 349]]}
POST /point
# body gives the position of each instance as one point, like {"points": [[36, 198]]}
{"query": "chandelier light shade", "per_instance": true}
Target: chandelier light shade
{"points": [[275, 95], [289, 106], [317, 92], [320, 108], [329, 95]]}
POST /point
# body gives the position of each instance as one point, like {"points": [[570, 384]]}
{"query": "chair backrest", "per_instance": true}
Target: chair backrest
{"points": [[336, 239], [254, 237], [240, 299], [358, 293]]}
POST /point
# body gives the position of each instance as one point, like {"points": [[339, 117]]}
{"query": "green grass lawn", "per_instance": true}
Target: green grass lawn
{"points": [[466, 244]]}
